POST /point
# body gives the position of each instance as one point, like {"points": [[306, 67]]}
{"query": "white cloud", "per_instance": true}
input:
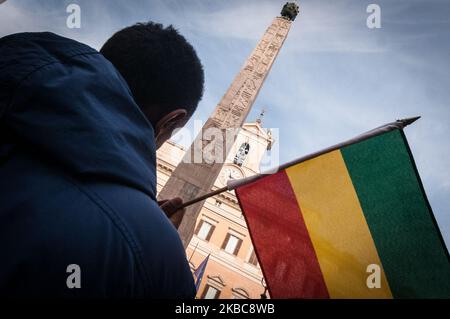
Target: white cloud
{"points": [[313, 27]]}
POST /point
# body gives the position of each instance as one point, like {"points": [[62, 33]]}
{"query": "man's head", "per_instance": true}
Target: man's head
{"points": [[163, 72]]}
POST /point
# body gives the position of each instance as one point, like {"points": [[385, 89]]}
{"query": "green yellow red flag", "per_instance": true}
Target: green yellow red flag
{"points": [[352, 221]]}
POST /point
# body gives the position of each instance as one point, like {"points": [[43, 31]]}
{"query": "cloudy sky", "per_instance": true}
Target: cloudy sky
{"points": [[333, 79]]}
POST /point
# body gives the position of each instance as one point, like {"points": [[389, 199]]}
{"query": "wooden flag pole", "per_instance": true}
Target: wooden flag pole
{"points": [[203, 197], [233, 184]]}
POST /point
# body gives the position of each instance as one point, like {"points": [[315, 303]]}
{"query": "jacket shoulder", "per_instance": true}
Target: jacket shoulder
{"points": [[24, 53]]}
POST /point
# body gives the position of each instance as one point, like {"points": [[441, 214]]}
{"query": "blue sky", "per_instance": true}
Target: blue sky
{"points": [[333, 79]]}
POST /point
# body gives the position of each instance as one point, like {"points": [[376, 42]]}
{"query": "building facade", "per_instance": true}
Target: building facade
{"points": [[232, 270]]}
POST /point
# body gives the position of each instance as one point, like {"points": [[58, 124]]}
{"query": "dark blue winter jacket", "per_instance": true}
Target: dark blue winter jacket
{"points": [[78, 180]]}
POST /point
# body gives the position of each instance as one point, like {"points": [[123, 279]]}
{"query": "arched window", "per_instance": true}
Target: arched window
{"points": [[241, 154]]}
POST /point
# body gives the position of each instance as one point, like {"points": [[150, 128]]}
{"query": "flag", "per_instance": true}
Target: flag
{"points": [[351, 222], [198, 273]]}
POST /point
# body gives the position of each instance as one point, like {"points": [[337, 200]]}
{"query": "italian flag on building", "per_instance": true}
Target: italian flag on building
{"points": [[352, 221]]}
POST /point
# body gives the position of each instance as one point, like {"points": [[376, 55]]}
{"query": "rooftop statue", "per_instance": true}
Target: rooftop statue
{"points": [[290, 11]]}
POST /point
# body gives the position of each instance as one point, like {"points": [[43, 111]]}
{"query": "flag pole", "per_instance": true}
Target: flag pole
{"points": [[203, 197], [233, 184], [193, 252]]}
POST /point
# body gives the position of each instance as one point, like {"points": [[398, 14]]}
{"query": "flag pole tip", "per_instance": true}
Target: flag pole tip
{"points": [[409, 120]]}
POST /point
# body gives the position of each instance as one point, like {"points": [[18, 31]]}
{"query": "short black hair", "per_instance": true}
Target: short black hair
{"points": [[159, 65]]}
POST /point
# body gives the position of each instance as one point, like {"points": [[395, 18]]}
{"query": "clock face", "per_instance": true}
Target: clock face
{"points": [[229, 172]]}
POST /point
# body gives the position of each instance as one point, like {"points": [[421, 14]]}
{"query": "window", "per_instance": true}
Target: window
{"points": [[253, 259], [210, 292], [204, 230], [232, 244], [241, 154]]}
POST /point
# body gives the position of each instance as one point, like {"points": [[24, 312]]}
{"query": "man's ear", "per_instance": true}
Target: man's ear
{"points": [[171, 120], [168, 123]]}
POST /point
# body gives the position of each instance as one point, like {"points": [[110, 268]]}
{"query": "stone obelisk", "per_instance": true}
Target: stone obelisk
{"points": [[197, 172]]}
